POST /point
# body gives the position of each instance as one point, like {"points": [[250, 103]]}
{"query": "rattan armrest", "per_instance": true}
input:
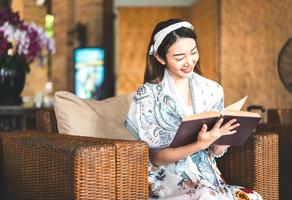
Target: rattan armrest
{"points": [[285, 159], [23, 133], [46, 121], [70, 167], [254, 165]]}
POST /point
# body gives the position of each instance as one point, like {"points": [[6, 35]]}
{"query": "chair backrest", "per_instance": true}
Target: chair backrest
{"points": [[279, 116]]}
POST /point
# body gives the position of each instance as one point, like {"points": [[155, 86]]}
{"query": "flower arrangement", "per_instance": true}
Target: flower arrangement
{"points": [[21, 40]]}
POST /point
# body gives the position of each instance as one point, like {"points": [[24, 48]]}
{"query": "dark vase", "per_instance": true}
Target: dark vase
{"points": [[12, 79]]}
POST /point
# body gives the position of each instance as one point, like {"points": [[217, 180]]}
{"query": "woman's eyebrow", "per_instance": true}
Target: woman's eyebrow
{"points": [[180, 54]]}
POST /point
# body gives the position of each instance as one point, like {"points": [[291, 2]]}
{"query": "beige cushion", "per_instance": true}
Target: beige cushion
{"points": [[103, 119]]}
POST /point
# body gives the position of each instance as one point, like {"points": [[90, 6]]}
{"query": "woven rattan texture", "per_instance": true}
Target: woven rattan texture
{"points": [[285, 158], [46, 121], [10, 134], [254, 165], [57, 166], [127, 156]]}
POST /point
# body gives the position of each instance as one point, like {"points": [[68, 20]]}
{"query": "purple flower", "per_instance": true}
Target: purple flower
{"points": [[6, 15], [20, 37], [3, 44]]}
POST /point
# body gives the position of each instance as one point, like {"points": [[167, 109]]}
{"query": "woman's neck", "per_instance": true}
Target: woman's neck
{"points": [[181, 83], [183, 87]]}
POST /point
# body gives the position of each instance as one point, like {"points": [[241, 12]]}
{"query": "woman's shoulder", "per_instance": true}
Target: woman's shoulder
{"points": [[147, 90]]}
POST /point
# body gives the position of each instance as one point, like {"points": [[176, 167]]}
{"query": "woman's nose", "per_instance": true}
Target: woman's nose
{"points": [[189, 60]]}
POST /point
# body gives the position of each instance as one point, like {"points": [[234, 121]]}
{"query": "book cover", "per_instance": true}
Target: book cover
{"points": [[191, 125]]}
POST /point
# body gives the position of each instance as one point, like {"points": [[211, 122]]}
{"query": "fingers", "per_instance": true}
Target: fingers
{"points": [[230, 125], [234, 126], [204, 128], [230, 122], [218, 124], [230, 132]]}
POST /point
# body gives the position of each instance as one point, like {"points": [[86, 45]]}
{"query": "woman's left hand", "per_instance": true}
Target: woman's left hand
{"points": [[226, 129]]}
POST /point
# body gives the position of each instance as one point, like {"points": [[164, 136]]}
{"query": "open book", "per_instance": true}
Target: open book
{"points": [[191, 125]]}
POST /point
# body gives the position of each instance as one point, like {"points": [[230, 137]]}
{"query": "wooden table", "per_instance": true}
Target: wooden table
{"points": [[17, 117]]}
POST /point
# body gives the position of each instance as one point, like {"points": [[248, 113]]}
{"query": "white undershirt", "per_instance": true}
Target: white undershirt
{"points": [[189, 110]]}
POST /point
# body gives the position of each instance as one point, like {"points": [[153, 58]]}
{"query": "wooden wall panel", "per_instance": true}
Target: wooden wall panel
{"points": [[36, 79], [67, 14], [253, 32], [63, 26], [203, 15], [134, 28]]}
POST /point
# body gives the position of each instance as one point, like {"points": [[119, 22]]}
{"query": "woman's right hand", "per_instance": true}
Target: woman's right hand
{"points": [[206, 138]]}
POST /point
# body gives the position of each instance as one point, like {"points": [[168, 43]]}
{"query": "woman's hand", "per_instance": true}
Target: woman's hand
{"points": [[206, 138]]}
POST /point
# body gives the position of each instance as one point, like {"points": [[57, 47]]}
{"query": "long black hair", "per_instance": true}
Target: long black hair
{"points": [[154, 70]]}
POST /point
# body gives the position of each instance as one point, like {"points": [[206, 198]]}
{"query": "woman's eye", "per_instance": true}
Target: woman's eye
{"points": [[195, 52], [179, 59]]}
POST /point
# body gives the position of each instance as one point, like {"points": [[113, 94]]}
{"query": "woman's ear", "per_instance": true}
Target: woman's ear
{"points": [[161, 60]]}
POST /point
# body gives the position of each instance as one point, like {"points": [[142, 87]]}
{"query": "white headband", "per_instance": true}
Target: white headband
{"points": [[163, 33]]}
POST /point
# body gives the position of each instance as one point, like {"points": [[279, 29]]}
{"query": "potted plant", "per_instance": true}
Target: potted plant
{"points": [[20, 44]]}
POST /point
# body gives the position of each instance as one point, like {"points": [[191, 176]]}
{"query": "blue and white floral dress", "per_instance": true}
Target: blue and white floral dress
{"points": [[154, 116]]}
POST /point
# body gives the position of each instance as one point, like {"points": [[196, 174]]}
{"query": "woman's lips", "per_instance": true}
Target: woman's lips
{"points": [[187, 70]]}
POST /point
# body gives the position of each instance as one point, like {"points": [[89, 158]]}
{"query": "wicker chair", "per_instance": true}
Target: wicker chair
{"points": [[285, 159], [279, 116], [45, 165], [53, 166]]}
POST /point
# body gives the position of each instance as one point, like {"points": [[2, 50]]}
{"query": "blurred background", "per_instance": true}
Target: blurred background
{"points": [[240, 45], [97, 49]]}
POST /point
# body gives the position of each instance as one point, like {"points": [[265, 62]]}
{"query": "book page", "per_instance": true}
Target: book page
{"points": [[237, 105], [203, 115], [233, 107]]}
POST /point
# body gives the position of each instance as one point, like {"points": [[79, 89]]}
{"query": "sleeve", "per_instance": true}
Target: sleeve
{"points": [[218, 106], [145, 120]]}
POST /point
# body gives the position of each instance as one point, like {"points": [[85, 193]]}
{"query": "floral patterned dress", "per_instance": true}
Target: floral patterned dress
{"points": [[154, 117]]}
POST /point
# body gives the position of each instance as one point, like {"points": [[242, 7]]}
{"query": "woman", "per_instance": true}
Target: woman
{"points": [[171, 91]]}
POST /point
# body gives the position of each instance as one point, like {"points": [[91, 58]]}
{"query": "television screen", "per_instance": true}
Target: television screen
{"points": [[89, 72]]}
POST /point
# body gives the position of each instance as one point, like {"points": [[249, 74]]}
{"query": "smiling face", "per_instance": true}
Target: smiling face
{"points": [[181, 58]]}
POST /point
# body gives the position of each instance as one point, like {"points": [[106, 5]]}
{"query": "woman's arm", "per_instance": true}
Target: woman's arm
{"points": [[171, 155], [204, 140]]}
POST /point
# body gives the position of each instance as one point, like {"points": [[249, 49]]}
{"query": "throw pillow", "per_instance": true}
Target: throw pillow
{"points": [[103, 119]]}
